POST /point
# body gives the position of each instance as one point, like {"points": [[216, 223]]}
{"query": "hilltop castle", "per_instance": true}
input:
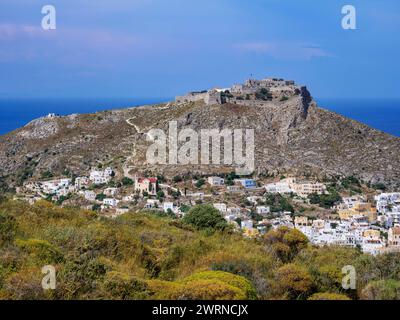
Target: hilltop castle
{"points": [[252, 92]]}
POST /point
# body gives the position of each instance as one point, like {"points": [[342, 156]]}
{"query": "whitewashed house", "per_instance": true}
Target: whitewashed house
{"points": [[247, 224], [263, 210], [221, 207], [234, 188], [101, 176], [254, 199], [278, 187], [111, 202], [111, 192], [216, 181], [81, 182], [54, 186], [169, 206], [385, 201], [247, 183], [233, 210], [154, 203], [90, 195]]}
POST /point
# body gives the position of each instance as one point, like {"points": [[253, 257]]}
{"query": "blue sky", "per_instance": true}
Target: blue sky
{"points": [[158, 48]]}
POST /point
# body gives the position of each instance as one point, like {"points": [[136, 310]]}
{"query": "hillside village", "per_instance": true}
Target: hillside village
{"points": [[335, 210], [344, 213]]}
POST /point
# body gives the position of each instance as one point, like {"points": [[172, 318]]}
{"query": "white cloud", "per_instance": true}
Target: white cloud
{"points": [[283, 50]]}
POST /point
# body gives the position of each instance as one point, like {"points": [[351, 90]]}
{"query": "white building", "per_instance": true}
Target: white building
{"points": [[234, 188], [221, 207], [121, 211], [254, 199], [90, 195], [170, 206], [233, 210], [196, 195], [247, 224], [278, 187], [128, 198], [262, 210], [110, 202], [247, 183], [55, 186], [101, 176], [385, 201], [153, 203], [351, 202], [111, 192], [372, 246], [216, 181], [81, 182]]}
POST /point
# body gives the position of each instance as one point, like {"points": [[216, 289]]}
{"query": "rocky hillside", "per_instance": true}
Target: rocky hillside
{"points": [[292, 135]]}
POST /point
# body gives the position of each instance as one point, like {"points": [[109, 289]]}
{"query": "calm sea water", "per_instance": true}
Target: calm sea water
{"points": [[380, 114]]}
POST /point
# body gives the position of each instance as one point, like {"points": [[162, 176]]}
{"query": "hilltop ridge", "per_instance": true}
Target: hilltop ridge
{"points": [[292, 135]]}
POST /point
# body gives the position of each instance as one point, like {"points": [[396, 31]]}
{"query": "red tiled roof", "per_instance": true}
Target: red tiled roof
{"points": [[151, 180]]}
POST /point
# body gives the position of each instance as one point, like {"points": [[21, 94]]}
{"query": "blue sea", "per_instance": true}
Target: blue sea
{"points": [[380, 114]]}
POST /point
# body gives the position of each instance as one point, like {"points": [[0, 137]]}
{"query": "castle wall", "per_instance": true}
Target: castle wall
{"points": [[213, 97], [277, 87], [192, 97]]}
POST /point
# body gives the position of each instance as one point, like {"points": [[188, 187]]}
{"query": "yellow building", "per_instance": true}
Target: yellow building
{"points": [[305, 189], [365, 209], [318, 224], [300, 221], [372, 234]]}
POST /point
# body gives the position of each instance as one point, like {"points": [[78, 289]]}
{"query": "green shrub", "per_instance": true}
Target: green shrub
{"points": [[225, 277], [127, 181], [328, 296], [292, 282], [209, 285], [205, 217], [382, 290], [8, 228], [40, 249], [124, 287]]}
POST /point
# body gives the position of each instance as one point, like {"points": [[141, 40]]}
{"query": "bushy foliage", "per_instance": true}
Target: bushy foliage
{"points": [[143, 256], [328, 296], [127, 181], [209, 285], [205, 217], [293, 282], [8, 227], [286, 243], [325, 200], [229, 278], [41, 250], [122, 286], [382, 290], [278, 203]]}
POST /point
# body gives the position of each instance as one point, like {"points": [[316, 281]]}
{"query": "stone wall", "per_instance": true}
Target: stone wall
{"points": [[192, 97]]}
